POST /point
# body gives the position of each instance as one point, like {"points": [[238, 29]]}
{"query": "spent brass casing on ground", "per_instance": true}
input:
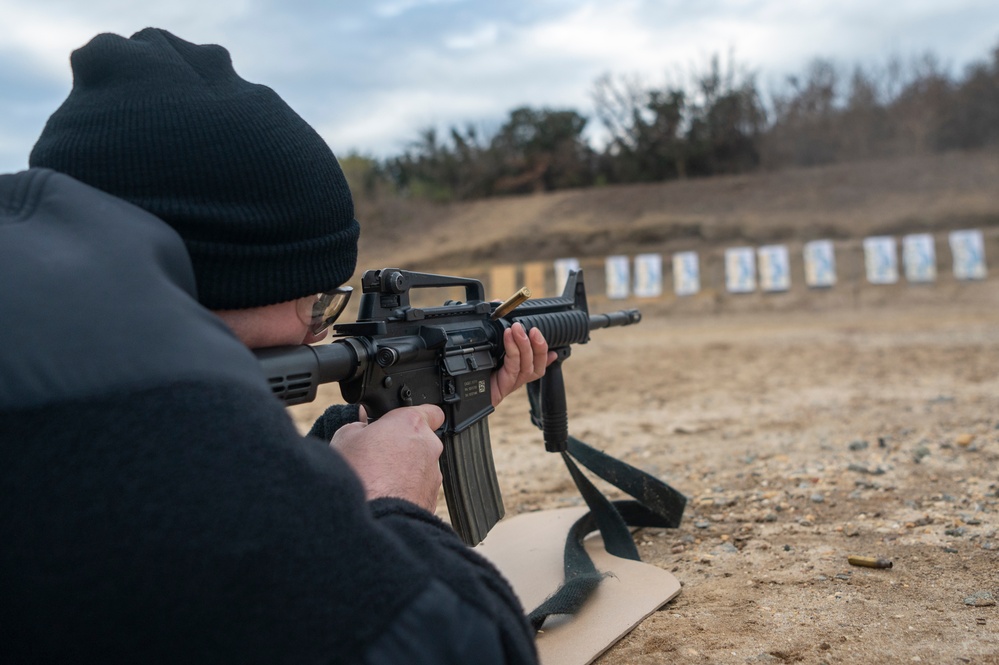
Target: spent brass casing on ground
{"points": [[511, 303], [869, 562]]}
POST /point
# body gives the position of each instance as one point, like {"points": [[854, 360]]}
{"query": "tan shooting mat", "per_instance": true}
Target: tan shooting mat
{"points": [[528, 550]]}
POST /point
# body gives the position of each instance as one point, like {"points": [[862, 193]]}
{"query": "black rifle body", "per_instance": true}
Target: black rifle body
{"points": [[399, 355]]}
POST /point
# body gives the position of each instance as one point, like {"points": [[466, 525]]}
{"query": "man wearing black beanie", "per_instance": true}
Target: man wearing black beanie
{"points": [[256, 194], [161, 506]]}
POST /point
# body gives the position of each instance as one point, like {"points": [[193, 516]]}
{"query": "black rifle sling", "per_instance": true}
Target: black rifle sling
{"points": [[656, 505]]}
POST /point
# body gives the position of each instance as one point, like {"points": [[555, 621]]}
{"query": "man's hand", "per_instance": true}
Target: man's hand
{"points": [[396, 456], [527, 357]]}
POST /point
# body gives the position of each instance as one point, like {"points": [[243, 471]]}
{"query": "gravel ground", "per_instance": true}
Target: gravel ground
{"points": [[801, 438]]}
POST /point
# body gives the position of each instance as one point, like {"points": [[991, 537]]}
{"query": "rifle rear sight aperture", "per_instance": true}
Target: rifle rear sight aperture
{"points": [[399, 355]]}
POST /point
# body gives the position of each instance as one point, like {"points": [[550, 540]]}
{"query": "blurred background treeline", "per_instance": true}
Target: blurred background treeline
{"points": [[716, 121]]}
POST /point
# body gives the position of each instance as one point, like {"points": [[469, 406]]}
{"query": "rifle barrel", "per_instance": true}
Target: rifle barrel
{"points": [[623, 317]]}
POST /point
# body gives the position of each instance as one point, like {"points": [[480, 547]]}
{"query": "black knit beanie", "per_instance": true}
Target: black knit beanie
{"points": [[254, 191]]}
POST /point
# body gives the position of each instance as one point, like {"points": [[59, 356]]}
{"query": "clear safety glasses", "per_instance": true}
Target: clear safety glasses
{"points": [[320, 311]]}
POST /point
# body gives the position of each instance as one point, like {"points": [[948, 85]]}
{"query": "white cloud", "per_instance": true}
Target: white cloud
{"points": [[484, 36], [45, 32], [370, 75], [394, 8]]}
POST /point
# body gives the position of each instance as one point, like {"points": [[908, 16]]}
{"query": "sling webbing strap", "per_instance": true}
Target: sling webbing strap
{"points": [[656, 504]]}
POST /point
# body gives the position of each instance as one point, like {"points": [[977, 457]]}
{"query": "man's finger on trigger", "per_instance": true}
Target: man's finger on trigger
{"points": [[432, 414]]}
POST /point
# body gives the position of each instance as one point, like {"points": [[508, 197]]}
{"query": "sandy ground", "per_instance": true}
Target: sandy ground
{"points": [[800, 438], [804, 427]]}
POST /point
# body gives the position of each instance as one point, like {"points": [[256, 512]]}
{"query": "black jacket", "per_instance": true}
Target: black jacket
{"points": [[158, 504]]}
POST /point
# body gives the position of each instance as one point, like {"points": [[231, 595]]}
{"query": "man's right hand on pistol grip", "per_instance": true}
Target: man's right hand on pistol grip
{"points": [[396, 455]]}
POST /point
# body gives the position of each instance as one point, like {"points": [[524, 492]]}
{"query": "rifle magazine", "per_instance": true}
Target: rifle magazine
{"points": [[470, 484]]}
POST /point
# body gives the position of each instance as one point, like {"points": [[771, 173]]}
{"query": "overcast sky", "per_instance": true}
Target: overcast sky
{"points": [[370, 74]]}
